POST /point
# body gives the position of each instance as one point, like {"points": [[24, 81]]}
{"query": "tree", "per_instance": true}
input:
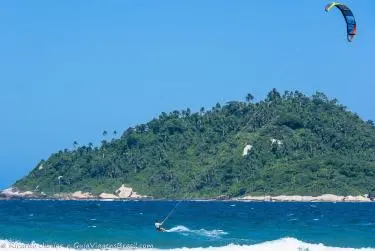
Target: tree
{"points": [[217, 106], [105, 133], [249, 97], [319, 96], [273, 95], [75, 144], [201, 110], [91, 145]]}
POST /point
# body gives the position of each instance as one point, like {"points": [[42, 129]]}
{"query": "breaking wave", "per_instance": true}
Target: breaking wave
{"points": [[202, 232], [286, 244]]}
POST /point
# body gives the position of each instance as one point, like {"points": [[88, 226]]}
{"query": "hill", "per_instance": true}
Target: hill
{"points": [[285, 144]]}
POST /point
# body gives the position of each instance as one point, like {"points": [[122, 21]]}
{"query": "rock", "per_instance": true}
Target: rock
{"points": [[307, 198], [14, 192], [124, 192], [81, 195], [246, 150], [257, 198], [356, 199], [137, 196], [298, 198], [330, 198], [283, 198], [276, 141], [108, 196], [223, 197]]}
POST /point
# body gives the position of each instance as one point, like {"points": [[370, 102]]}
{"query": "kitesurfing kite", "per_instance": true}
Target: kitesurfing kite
{"points": [[351, 25]]}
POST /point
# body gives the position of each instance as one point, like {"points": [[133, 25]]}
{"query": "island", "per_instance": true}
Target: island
{"points": [[287, 147]]}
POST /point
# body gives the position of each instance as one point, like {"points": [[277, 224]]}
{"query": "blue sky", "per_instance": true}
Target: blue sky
{"points": [[71, 69]]}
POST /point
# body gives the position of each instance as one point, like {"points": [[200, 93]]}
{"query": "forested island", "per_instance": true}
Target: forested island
{"points": [[286, 144]]}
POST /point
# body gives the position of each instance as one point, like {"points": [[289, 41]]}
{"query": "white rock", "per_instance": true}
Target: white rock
{"points": [[108, 196], [14, 192], [330, 198], [247, 149], [135, 195], [81, 195], [321, 198], [276, 141], [124, 192], [356, 199]]}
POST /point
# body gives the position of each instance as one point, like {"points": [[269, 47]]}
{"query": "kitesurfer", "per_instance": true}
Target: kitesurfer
{"points": [[158, 226]]}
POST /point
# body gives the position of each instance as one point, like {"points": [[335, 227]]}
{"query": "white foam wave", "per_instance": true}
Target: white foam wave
{"points": [[178, 229], [203, 232], [286, 244]]}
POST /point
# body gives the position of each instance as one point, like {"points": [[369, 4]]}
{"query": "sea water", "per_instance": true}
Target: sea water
{"points": [[193, 225]]}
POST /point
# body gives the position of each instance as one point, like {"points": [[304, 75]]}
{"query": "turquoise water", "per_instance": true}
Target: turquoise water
{"points": [[194, 224]]}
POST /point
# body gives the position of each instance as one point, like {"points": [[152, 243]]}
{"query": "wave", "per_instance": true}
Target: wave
{"points": [[202, 232], [287, 244]]}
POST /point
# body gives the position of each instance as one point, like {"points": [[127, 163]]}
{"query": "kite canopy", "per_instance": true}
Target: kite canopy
{"points": [[351, 25]]}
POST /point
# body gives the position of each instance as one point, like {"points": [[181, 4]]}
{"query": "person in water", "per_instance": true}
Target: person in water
{"points": [[158, 226]]}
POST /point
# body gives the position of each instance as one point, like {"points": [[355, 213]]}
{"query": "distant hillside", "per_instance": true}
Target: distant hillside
{"points": [[295, 145]]}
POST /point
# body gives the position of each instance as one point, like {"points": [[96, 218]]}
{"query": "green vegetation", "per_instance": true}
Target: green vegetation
{"points": [[318, 147]]}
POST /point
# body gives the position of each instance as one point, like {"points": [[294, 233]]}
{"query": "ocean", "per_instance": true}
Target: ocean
{"points": [[193, 225]]}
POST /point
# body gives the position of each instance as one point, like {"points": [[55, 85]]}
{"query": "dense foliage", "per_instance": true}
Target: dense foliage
{"points": [[300, 145]]}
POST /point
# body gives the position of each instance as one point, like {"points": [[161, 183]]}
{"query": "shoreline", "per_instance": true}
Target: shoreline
{"points": [[306, 198], [128, 194], [260, 199]]}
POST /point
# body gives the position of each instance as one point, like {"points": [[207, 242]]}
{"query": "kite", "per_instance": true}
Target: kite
{"points": [[351, 26]]}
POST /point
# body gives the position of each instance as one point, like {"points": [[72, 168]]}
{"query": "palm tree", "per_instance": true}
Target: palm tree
{"points": [[273, 95], [201, 111], [90, 145], [175, 113], [249, 97], [105, 133], [163, 116], [114, 135], [102, 148]]}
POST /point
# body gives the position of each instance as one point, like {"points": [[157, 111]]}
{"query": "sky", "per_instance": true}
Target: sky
{"points": [[71, 69]]}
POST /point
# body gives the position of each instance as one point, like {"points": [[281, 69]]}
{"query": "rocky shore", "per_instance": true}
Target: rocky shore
{"points": [[298, 198], [122, 192], [127, 193]]}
